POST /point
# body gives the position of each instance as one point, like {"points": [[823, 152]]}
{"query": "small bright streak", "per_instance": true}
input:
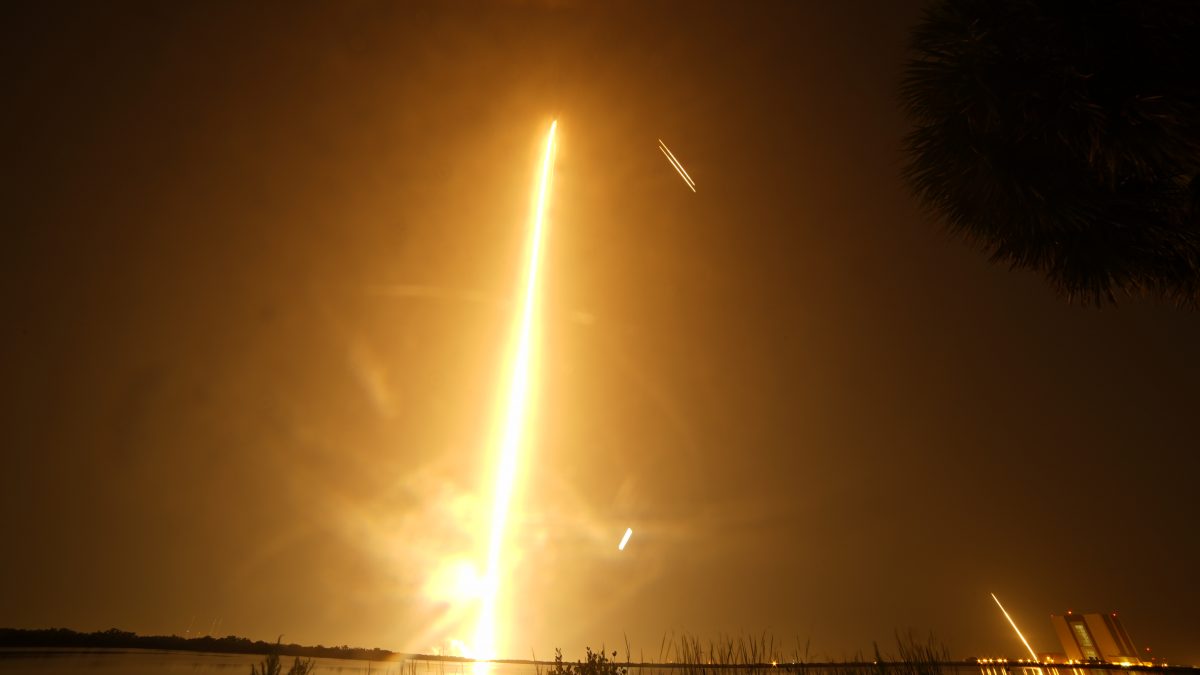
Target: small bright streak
{"points": [[1014, 625], [678, 169], [675, 163], [625, 539], [514, 419]]}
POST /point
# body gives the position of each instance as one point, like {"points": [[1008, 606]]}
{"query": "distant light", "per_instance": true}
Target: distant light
{"points": [[625, 539]]}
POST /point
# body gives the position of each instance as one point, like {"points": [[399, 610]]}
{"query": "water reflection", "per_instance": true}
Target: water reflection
{"points": [[140, 662], [146, 662]]}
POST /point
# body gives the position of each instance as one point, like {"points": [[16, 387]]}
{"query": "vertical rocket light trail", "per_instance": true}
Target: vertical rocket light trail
{"points": [[1014, 625], [514, 421]]}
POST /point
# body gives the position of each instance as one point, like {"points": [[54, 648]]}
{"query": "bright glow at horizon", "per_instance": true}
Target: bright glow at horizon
{"points": [[625, 539], [1014, 625], [521, 373]]}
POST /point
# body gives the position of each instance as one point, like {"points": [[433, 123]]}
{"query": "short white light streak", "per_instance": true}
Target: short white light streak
{"points": [[675, 163]]}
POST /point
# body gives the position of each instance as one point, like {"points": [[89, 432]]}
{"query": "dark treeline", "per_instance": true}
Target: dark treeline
{"points": [[57, 638]]}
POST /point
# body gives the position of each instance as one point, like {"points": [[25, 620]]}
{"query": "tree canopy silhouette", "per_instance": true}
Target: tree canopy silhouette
{"points": [[1064, 137]]}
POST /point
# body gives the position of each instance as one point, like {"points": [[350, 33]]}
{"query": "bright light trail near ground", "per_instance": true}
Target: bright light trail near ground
{"points": [[521, 367], [1014, 625], [625, 539]]}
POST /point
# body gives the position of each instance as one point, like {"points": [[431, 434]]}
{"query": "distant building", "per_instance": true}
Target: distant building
{"points": [[1094, 637]]}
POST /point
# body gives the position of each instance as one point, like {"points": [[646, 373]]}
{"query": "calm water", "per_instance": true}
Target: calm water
{"points": [[145, 662], [141, 662], [148, 662]]}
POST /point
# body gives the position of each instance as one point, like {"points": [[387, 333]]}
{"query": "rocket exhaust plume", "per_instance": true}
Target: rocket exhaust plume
{"points": [[675, 163], [625, 539], [521, 367], [1014, 625]]}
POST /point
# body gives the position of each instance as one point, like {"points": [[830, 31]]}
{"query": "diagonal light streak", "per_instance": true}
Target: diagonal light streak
{"points": [[1014, 625], [514, 419], [675, 163], [678, 170]]}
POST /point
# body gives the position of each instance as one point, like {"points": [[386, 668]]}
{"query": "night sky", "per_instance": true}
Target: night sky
{"points": [[258, 269]]}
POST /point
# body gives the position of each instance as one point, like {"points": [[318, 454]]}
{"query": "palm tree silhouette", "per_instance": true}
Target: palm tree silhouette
{"points": [[1064, 137]]}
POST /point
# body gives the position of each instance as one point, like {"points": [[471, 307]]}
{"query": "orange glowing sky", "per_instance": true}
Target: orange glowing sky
{"points": [[258, 283]]}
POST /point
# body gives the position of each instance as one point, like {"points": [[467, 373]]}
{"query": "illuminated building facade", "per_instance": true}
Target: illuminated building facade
{"points": [[1094, 637]]}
